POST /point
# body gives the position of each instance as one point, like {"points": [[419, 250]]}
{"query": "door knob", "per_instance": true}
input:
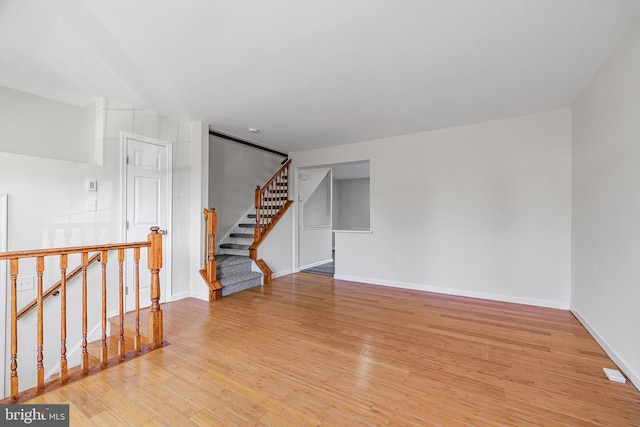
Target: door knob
{"points": [[163, 232]]}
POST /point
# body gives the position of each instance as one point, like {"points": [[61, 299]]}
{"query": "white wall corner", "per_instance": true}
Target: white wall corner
{"points": [[178, 296], [200, 296], [199, 200], [282, 273]]}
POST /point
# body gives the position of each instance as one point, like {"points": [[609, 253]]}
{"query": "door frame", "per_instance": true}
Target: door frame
{"points": [[167, 238], [299, 226]]}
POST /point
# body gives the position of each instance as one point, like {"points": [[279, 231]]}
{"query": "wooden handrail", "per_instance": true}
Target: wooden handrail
{"points": [[31, 305], [209, 270], [71, 250], [155, 335], [277, 174], [271, 202]]}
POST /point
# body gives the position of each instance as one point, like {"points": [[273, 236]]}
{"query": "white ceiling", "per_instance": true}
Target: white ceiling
{"points": [[313, 73]]}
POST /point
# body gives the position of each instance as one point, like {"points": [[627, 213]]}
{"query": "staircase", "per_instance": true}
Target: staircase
{"points": [[234, 266], [242, 236], [231, 269], [235, 273], [129, 334], [133, 344]]}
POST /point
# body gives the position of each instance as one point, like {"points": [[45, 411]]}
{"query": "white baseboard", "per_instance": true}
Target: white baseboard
{"points": [[282, 273], [179, 296], [456, 292], [199, 295], [304, 267], [634, 377]]}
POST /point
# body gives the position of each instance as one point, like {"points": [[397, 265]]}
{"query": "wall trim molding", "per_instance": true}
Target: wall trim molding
{"points": [[178, 296], [455, 292], [281, 273], [198, 295]]}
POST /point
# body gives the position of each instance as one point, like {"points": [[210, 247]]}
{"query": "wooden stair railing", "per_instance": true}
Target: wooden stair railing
{"points": [[56, 287], [155, 333], [271, 202], [208, 272]]}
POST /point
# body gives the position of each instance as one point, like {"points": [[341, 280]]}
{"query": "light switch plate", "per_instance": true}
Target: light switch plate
{"points": [[91, 205], [24, 283]]}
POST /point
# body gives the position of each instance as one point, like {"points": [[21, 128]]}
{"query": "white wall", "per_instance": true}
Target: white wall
{"points": [[353, 206], [316, 208], [199, 185], [481, 210], [277, 248], [3, 294], [234, 172], [39, 127], [606, 206]]}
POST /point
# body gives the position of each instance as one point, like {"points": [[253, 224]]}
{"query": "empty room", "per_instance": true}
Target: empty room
{"points": [[320, 213]]}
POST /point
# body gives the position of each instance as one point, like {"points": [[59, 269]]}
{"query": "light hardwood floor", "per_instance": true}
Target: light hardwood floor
{"points": [[309, 350]]}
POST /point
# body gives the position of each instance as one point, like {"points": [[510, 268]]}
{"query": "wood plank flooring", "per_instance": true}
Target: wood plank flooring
{"points": [[309, 350]]}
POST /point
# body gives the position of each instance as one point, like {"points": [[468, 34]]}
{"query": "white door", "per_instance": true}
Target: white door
{"points": [[148, 204]]}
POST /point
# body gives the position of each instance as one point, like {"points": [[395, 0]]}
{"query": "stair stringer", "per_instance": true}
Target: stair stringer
{"points": [[243, 219]]}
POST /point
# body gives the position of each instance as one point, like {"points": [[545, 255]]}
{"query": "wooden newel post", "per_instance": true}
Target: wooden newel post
{"points": [[14, 330], [155, 264], [212, 230], [211, 266]]}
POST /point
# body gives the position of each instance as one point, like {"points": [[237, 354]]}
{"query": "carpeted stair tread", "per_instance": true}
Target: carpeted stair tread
{"points": [[232, 265], [238, 278], [261, 216], [241, 235], [234, 246], [249, 225], [235, 274], [230, 260], [240, 282]]}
